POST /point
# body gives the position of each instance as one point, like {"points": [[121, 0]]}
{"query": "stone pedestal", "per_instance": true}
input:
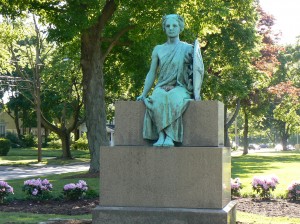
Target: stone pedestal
{"points": [[177, 177], [141, 215], [190, 184], [203, 124]]}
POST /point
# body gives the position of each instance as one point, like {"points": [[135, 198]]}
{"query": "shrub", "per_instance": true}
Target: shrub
{"points": [[55, 144], [263, 185], [75, 191], [81, 143], [29, 140], [37, 188], [54, 141], [4, 146], [14, 140], [236, 187], [5, 190], [294, 190]]}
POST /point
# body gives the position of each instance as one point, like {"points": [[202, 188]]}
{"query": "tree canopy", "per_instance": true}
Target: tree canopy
{"points": [[114, 40]]}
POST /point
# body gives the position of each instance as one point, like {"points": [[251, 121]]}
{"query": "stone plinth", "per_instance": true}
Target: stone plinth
{"points": [[189, 184], [177, 177], [130, 215], [203, 124]]}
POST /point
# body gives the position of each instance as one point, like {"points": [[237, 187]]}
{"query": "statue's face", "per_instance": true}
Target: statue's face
{"points": [[172, 28]]}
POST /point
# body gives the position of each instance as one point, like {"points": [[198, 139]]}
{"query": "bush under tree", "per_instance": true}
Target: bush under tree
{"points": [[4, 146]]}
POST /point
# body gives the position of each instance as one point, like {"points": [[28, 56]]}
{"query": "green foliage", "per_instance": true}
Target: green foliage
{"points": [[4, 146], [29, 140], [55, 144], [14, 139], [37, 189], [81, 143], [293, 192], [6, 190], [236, 187], [128, 30], [76, 191], [53, 141]]}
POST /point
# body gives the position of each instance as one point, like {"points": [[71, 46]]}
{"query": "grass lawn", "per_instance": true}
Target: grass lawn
{"points": [[26, 156], [19, 217], [259, 219], [285, 165]]}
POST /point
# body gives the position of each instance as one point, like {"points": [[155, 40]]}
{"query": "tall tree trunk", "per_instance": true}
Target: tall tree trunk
{"points": [[228, 122], [15, 117], [93, 94], [76, 134], [245, 133], [66, 144], [226, 135], [17, 123], [284, 137]]}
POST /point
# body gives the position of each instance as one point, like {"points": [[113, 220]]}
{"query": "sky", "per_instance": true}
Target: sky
{"points": [[287, 18]]}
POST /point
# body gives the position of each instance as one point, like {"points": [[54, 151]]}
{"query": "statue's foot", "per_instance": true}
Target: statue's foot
{"points": [[158, 143], [168, 142], [160, 140]]}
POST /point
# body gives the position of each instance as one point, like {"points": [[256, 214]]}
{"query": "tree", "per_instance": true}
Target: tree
{"points": [[285, 89], [62, 102], [226, 29], [59, 93], [254, 105]]}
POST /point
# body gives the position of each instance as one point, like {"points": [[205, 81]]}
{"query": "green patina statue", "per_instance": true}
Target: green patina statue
{"points": [[180, 73]]}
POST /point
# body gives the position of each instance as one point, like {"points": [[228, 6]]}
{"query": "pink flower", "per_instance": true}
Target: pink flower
{"points": [[35, 191], [274, 178]]}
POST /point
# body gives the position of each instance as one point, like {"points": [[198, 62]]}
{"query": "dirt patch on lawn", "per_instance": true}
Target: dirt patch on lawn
{"points": [[272, 208]]}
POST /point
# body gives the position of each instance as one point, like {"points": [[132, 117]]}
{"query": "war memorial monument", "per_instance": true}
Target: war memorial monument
{"points": [[169, 164]]}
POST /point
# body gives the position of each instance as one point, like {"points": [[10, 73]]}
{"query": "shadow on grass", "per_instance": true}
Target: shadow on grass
{"points": [[246, 165]]}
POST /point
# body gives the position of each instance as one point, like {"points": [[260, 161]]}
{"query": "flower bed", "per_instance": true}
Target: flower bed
{"points": [[37, 188], [5, 190], [263, 185], [75, 191]]}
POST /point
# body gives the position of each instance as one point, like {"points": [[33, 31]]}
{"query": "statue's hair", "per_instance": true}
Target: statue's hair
{"points": [[179, 19]]}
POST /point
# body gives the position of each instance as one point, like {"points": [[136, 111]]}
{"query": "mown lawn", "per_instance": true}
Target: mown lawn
{"points": [[26, 156], [259, 219], [285, 165], [25, 218]]}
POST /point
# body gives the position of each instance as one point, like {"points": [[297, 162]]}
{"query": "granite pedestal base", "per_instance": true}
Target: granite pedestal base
{"points": [[143, 215], [157, 185]]}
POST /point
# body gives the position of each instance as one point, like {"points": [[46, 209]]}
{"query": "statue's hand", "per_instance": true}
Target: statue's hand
{"points": [[140, 98]]}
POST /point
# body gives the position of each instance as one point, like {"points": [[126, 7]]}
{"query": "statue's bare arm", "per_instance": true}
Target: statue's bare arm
{"points": [[151, 74]]}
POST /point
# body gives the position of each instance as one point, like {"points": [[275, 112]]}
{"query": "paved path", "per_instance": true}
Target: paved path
{"points": [[10, 172]]}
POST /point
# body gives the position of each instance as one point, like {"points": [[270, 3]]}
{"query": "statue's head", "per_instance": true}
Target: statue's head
{"points": [[179, 19]]}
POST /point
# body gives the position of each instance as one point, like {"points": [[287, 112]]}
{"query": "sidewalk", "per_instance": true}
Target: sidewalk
{"points": [[10, 172]]}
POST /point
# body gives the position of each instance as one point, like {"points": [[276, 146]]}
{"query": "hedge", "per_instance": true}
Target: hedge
{"points": [[4, 146]]}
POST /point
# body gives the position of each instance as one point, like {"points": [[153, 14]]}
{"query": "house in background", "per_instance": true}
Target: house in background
{"points": [[110, 130], [7, 124]]}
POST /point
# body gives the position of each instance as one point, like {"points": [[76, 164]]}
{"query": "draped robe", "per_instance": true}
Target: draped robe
{"points": [[164, 109]]}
